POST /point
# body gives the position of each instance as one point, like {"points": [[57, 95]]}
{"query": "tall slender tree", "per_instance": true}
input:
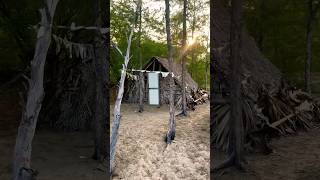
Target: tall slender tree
{"points": [[102, 90], [193, 27], [171, 131], [235, 60], [184, 49], [141, 76], [312, 10], [262, 16], [235, 121]]}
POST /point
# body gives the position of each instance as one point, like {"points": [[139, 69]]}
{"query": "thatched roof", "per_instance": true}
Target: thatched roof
{"points": [[258, 70], [177, 71]]}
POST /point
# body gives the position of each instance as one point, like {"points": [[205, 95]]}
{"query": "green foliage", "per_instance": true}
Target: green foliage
{"points": [[283, 27], [153, 27]]}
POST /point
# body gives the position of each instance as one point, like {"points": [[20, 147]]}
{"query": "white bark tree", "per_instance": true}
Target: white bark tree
{"points": [[22, 153], [117, 107]]}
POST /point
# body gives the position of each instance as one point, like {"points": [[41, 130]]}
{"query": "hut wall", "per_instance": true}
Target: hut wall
{"points": [[165, 91], [131, 94]]}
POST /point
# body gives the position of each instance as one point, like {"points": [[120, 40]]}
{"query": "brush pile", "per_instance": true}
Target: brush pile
{"points": [[274, 113], [269, 105], [198, 97]]}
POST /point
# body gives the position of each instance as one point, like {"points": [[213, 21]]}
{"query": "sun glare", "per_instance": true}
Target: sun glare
{"points": [[191, 41]]}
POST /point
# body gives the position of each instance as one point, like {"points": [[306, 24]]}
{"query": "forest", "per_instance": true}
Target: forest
{"points": [[265, 90], [150, 89], [153, 35]]}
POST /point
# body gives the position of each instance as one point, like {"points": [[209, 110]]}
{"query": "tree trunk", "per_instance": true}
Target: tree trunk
{"points": [[309, 48], [235, 66], [172, 126], [207, 67], [102, 89], [141, 76], [22, 154], [192, 36], [262, 16], [184, 39], [235, 62], [116, 111]]}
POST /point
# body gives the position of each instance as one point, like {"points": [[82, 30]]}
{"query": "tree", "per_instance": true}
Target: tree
{"points": [[141, 77], [312, 10], [101, 77], [117, 106], [235, 122], [193, 27], [235, 59], [262, 15], [184, 48], [171, 129], [22, 153]]}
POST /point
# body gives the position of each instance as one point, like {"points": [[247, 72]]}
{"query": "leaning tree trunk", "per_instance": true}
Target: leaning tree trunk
{"points": [[184, 100], [117, 106], [22, 154], [102, 89], [141, 76], [172, 126]]}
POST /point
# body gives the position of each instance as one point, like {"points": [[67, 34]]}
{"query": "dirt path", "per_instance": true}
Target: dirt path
{"points": [[141, 152], [295, 158]]}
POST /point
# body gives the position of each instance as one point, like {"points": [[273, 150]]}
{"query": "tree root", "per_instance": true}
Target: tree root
{"points": [[229, 163]]}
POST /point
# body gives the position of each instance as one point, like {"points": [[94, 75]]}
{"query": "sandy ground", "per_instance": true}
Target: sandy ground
{"points": [[55, 155], [142, 153], [295, 157]]}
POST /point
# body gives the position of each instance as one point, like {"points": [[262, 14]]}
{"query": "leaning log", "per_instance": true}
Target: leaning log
{"points": [[117, 106], [22, 153]]}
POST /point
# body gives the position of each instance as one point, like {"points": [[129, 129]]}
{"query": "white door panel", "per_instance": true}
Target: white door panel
{"points": [[153, 81], [154, 96]]}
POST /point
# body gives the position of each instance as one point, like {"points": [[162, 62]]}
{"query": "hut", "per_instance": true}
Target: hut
{"points": [[269, 105], [156, 80]]}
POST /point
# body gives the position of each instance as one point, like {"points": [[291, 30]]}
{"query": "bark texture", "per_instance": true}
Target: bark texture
{"points": [[172, 126], [141, 76], [184, 48], [102, 89], [22, 153]]}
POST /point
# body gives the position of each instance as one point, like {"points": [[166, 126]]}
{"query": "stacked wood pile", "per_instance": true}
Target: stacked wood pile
{"points": [[196, 98], [275, 113], [269, 105]]}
